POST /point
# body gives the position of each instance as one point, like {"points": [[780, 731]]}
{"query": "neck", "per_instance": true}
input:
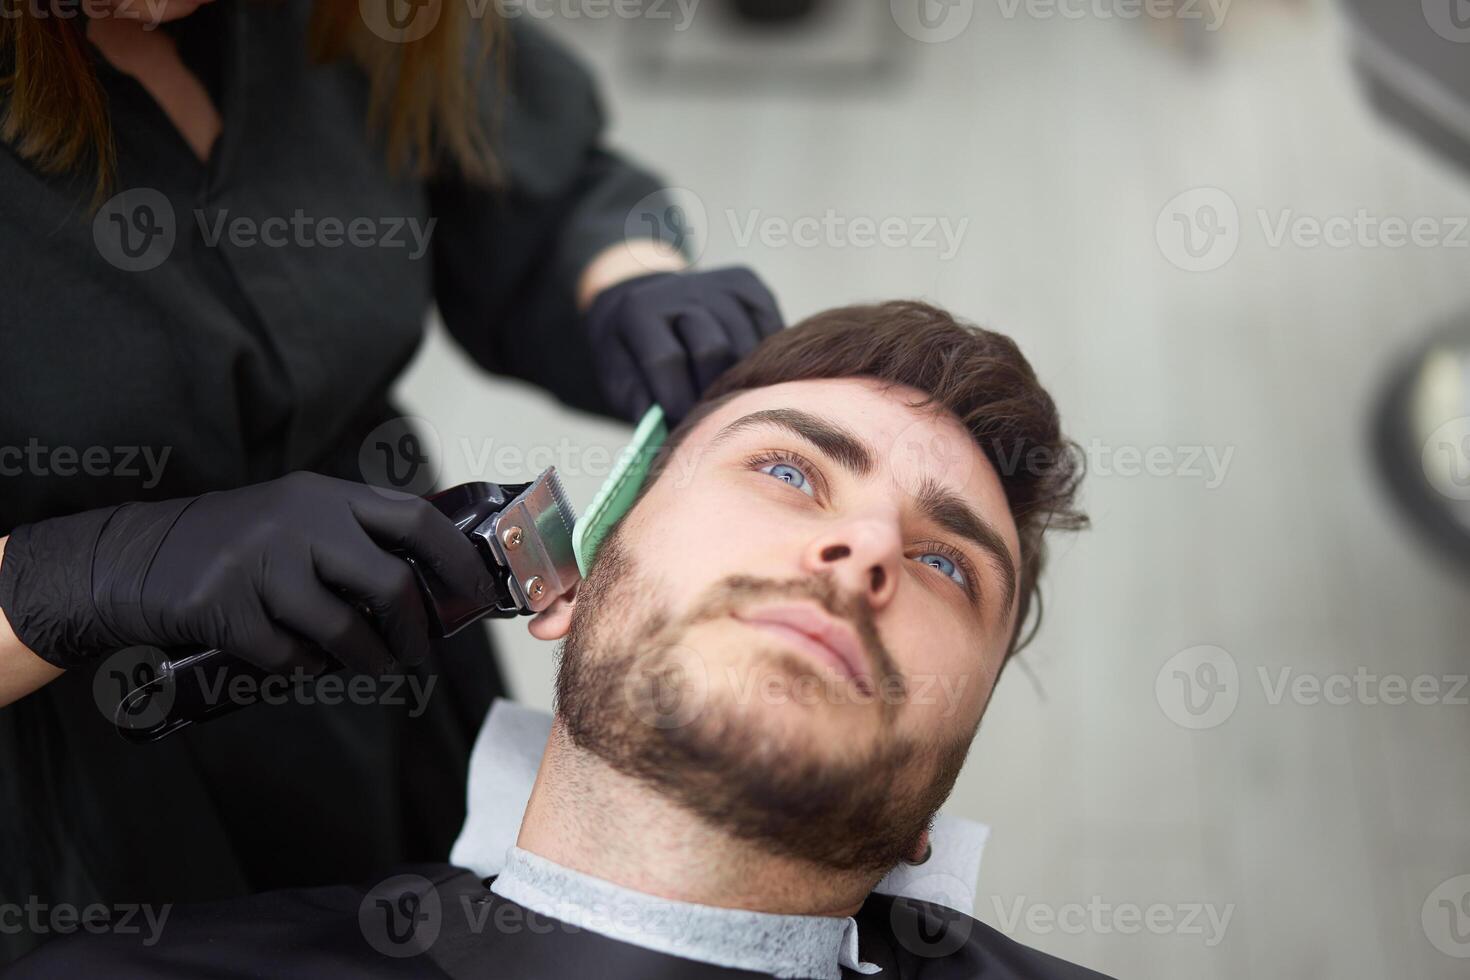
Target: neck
{"points": [[586, 816]]}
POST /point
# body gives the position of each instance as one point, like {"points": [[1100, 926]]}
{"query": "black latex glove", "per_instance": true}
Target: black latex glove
{"points": [[664, 337], [272, 573]]}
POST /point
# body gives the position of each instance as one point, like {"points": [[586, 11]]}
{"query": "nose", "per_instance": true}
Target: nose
{"points": [[862, 556]]}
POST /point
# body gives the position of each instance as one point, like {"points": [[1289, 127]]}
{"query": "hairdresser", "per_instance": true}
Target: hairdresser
{"points": [[223, 226]]}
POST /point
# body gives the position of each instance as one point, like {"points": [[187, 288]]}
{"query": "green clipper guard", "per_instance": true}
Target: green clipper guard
{"points": [[620, 489]]}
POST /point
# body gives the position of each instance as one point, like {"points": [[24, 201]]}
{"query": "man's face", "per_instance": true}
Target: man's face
{"points": [[796, 630]]}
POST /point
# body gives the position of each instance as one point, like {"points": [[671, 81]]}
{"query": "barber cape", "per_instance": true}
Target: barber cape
{"points": [[519, 916], [443, 921]]}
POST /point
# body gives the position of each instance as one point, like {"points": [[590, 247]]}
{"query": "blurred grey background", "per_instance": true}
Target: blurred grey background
{"points": [[1204, 767]]}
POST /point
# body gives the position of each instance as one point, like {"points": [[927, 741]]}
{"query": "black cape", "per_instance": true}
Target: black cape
{"points": [[443, 921]]}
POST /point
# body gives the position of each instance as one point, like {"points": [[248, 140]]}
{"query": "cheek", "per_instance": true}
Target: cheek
{"points": [[949, 677], [693, 538], [684, 546]]}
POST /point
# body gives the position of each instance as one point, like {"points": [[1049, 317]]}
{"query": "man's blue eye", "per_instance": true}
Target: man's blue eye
{"points": [[790, 474], [945, 565]]}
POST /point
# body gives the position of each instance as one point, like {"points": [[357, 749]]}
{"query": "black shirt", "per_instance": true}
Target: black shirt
{"points": [[229, 361]]}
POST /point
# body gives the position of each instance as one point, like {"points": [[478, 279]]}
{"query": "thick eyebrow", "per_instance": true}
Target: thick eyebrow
{"points": [[835, 441], [949, 511], [939, 505]]}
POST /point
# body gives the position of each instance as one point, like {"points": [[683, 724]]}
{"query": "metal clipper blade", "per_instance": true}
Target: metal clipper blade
{"points": [[532, 536]]}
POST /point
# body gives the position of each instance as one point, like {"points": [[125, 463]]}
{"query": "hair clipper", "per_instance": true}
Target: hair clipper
{"points": [[522, 531]]}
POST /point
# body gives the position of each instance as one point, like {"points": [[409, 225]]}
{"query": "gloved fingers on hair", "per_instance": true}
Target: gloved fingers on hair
{"points": [[622, 383], [758, 300], [664, 365], [617, 373], [708, 343], [767, 318], [639, 402], [736, 323]]}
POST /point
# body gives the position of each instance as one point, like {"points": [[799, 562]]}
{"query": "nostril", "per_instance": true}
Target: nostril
{"points": [[835, 551], [878, 577]]}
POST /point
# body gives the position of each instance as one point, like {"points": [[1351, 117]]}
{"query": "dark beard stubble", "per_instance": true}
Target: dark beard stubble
{"points": [[626, 695]]}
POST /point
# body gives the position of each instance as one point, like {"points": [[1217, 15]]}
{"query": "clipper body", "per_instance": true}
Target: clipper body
{"points": [[523, 533]]}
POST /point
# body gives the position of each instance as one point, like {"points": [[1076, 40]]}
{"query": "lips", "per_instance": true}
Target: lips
{"points": [[808, 627]]}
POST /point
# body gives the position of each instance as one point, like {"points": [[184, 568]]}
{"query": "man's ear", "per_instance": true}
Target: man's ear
{"points": [[921, 849], [553, 622]]}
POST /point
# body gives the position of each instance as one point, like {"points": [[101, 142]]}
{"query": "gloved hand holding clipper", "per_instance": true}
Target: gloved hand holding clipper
{"points": [[274, 573]]}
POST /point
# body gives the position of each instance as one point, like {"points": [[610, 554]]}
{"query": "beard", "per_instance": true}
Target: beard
{"points": [[631, 692]]}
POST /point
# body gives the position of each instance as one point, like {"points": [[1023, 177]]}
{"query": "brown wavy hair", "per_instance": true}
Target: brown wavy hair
{"points": [[423, 92], [978, 375]]}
